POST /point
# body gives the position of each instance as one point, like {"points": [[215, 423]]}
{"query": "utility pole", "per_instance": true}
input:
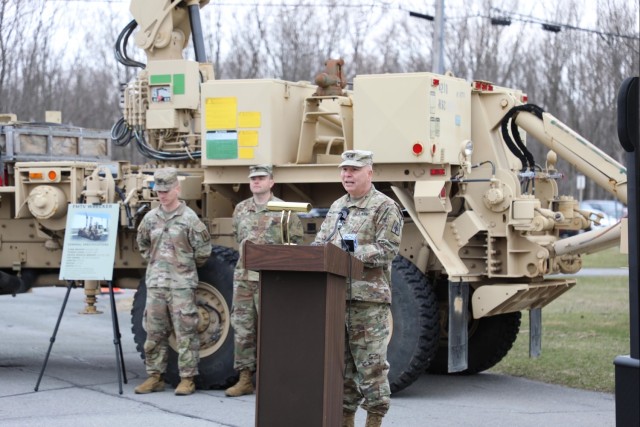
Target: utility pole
{"points": [[438, 36], [438, 39]]}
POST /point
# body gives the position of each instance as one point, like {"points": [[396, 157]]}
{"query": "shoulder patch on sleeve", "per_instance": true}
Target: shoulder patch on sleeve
{"points": [[201, 229], [395, 228]]}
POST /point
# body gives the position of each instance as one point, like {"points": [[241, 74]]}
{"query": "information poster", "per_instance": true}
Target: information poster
{"points": [[89, 242]]}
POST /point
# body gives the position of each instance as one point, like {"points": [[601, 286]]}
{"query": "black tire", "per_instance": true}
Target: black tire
{"points": [[12, 283], [414, 338], [213, 297], [490, 339]]}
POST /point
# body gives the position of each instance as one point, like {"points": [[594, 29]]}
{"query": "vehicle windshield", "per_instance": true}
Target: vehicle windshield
{"points": [[612, 208]]}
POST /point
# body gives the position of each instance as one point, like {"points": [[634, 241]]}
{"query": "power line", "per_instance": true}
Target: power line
{"points": [[506, 17]]}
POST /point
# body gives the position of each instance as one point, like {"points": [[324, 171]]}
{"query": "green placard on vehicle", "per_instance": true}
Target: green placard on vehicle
{"points": [[222, 145]]}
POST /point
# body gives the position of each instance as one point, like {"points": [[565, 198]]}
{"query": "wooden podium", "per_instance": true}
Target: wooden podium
{"points": [[300, 332]]}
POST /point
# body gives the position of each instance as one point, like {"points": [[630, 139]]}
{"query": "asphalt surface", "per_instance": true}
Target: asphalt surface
{"points": [[80, 383]]}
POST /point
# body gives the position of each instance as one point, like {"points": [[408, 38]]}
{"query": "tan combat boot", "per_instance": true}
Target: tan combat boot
{"points": [[348, 418], [373, 420], [243, 386], [186, 387], [151, 384]]}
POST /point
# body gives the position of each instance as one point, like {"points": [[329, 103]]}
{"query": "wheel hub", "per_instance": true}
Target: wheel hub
{"points": [[214, 321]]}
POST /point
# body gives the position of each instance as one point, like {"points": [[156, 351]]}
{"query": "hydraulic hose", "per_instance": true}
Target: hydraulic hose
{"points": [[196, 33]]}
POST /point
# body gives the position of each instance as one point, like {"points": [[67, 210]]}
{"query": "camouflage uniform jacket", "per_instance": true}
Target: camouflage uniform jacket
{"points": [[377, 222], [173, 245], [259, 225]]}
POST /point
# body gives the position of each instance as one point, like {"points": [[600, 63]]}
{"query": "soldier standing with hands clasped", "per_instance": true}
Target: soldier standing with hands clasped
{"points": [[253, 222], [375, 222], [173, 240]]}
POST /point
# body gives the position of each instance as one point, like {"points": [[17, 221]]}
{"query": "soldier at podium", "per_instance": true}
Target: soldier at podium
{"points": [[252, 221], [372, 223]]}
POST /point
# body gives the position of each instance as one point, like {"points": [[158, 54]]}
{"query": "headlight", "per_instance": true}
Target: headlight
{"points": [[467, 148]]}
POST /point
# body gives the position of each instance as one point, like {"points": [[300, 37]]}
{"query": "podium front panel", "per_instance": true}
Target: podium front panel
{"points": [[300, 349]]}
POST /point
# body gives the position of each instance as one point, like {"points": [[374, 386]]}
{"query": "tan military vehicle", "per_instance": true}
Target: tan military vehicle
{"points": [[481, 241]]}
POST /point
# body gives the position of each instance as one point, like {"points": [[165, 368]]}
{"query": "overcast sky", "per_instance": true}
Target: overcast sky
{"points": [[454, 9], [523, 13]]}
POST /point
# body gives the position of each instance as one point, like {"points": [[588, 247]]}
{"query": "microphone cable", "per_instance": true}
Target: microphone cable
{"points": [[349, 293]]}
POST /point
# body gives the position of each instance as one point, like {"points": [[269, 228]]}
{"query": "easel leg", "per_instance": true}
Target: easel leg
{"points": [[116, 340], [55, 332]]}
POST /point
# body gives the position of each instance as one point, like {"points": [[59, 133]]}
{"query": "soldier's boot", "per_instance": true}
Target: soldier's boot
{"points": [[243, 386], [373, 420], [348, 418], [186, 387], [151, 384]]}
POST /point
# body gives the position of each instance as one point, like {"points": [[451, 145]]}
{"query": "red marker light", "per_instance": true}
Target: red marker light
{"points": [[436, 172], [485, 86], [443, 193], [435, 82], [417, 149]]}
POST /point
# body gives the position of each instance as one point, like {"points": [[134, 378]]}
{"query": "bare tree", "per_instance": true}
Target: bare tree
{"points": [[573, 74], [245, 59], [24, 44]]}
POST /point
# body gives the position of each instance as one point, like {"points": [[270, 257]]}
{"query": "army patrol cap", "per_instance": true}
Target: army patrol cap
{"points": [[260, 170], [356, 158], [165, 179]]}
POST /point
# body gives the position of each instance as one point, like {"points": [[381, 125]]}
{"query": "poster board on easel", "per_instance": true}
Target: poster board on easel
{"points": [[88, 254], [89, 242]]}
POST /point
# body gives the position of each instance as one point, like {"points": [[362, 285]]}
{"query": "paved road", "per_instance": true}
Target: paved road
{"points": [[80, 384]]}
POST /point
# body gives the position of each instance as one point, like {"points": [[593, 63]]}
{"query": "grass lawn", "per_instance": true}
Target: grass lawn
{"points": [[582, 332], [610, 258]]}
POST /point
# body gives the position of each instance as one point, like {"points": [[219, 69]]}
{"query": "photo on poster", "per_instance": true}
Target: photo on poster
{"points": [[91, 226]]}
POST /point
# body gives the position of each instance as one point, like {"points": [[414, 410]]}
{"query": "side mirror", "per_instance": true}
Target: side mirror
{"points": [[628, 114]]}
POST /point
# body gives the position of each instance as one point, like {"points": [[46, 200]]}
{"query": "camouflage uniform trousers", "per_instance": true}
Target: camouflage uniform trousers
{"points": [[171, 309], [366, 366], [244, 319]]}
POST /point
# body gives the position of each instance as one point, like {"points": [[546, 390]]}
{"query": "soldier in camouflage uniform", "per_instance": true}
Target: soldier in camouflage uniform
{"points": [[253, 222], [173, 241], [376, 222]]}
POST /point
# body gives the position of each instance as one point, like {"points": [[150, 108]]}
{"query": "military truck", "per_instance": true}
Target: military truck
{"points": [[93, 229], [481, 241]]}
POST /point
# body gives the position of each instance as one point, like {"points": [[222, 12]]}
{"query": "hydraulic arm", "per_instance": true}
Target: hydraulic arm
{"points": [[587, 158]]}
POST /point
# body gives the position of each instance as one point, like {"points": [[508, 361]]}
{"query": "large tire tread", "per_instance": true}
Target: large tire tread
{"points": [[491, 340], [415, 324]]}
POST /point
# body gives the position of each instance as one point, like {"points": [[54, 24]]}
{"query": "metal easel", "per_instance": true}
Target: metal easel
{"points": [[116, 336]]}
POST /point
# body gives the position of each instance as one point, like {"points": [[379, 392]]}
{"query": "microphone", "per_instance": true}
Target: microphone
{"points": [[349, 241], [342, 216]]}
